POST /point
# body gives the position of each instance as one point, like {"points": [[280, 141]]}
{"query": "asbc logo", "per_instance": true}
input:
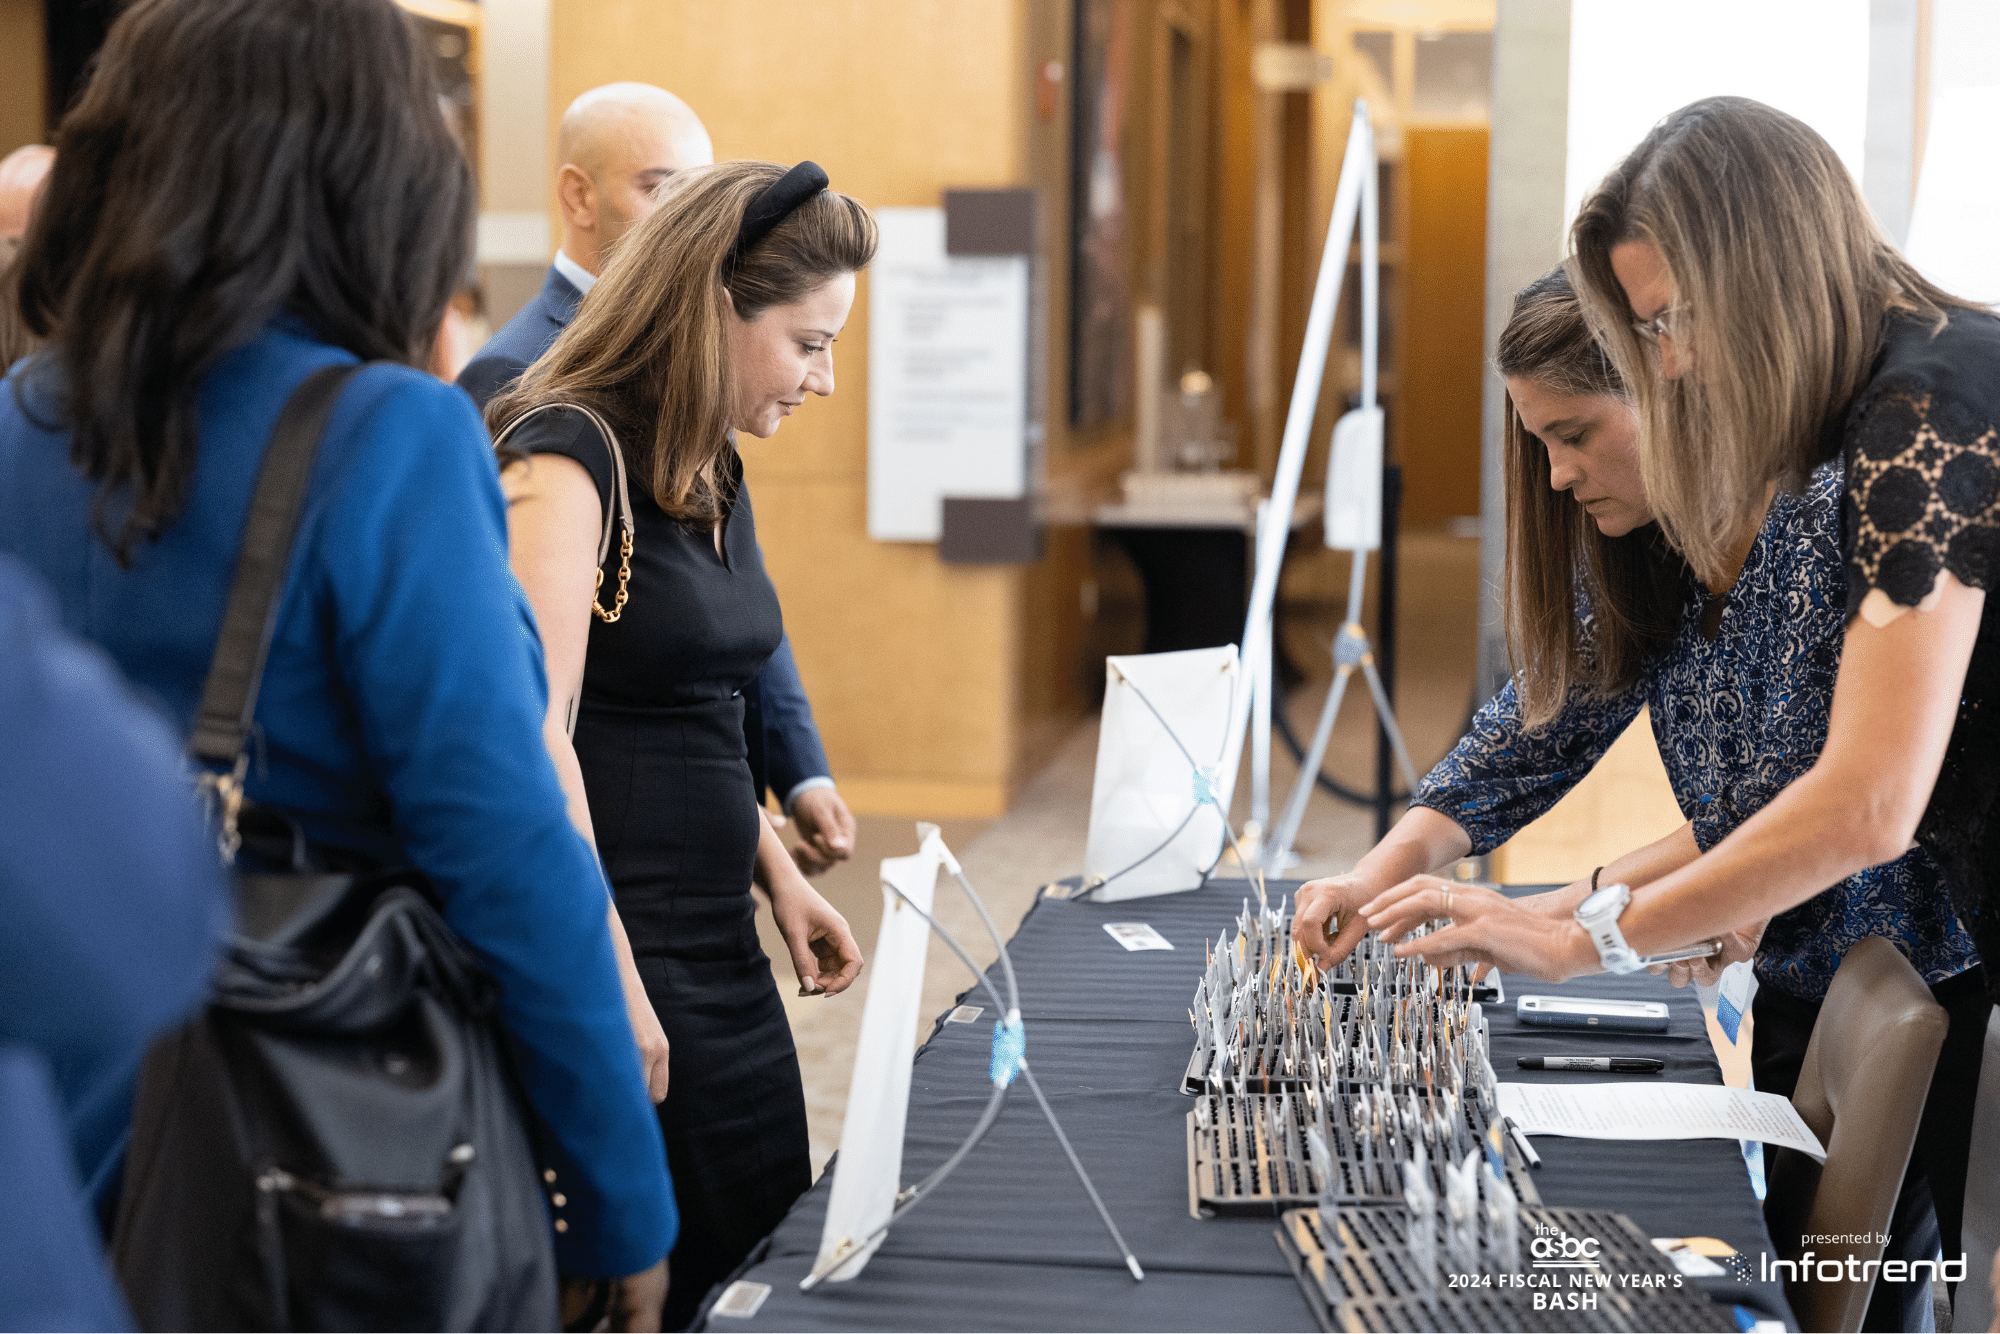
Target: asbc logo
{"points": [[1565, 1247]]}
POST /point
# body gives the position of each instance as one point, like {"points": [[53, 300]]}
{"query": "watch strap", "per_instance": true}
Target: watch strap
{"points": [[1605, 936]]}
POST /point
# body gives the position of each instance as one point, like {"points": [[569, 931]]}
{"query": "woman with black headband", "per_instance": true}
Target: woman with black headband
{"points": [[631, 531]]}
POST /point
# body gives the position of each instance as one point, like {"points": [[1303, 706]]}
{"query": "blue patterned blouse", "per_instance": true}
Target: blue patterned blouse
{"points": [[1736, 718]]}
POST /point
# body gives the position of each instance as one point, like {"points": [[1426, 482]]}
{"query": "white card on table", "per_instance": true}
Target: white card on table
{"points": [[1137, 936], [741, 1299]]}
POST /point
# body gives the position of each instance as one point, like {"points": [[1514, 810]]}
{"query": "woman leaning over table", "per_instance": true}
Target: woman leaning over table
{"points": [[1604, 617], [717, 315], [1766, 325]]}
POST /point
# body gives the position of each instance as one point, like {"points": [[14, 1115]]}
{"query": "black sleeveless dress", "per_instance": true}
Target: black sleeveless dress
{"points": [[659, 735]]}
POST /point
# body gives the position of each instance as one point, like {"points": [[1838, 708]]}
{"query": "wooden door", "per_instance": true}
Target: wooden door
{"points": [[1443, 306]]}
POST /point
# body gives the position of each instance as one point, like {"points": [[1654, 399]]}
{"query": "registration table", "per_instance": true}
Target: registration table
{"points": [[1010, 1241]]}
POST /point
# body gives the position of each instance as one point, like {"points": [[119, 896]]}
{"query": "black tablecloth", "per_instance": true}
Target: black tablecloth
{"points": [[1010, 1241]]}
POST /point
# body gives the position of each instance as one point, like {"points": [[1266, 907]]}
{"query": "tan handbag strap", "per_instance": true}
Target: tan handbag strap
{"points": [[617, 505]]}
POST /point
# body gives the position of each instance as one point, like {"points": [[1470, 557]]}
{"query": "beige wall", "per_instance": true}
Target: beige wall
{"points": [[516, 177], [919, 672], [23, 81], [1444, 279], [1624, 802], [515, 167]]}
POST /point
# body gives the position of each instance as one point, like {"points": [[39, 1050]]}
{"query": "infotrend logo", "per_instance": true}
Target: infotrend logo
{"points": [[1811, 1267]]}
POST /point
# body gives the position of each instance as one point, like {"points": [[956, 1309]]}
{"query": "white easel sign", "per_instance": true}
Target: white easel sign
{"points": [[1166, 716], [870, 1169]]}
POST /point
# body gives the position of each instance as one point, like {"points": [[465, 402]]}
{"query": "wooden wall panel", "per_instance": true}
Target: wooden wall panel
{"points": [[1444, 297], [914, 668], [23, 101], [1625, 802], [1232, 203], [908, 662]]}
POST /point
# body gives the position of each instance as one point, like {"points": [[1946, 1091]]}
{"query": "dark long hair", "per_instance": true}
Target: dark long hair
{"points": [[231, 161], [648, 347], [1636, 586]]}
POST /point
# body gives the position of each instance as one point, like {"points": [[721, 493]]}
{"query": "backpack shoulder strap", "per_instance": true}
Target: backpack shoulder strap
{"points": [[229, 699]]}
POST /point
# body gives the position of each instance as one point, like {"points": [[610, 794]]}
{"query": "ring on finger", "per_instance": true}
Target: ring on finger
{"points": [[1447, 900]]}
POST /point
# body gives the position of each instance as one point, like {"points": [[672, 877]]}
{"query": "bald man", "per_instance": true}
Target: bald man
{"points": [[21, 175], [618, 143]]}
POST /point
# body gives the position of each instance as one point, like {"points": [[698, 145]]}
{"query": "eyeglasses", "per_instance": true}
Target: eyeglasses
{"points": [[1660, 326]]}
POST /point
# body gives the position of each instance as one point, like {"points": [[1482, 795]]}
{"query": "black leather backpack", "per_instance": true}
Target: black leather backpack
{"points": [[337, 1141]]}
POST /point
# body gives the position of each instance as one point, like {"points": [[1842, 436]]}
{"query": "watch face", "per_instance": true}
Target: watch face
{"points": [[1608, 899]]}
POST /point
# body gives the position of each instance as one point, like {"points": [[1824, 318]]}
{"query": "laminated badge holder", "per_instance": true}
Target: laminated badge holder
{"points": [[344, 1102]]}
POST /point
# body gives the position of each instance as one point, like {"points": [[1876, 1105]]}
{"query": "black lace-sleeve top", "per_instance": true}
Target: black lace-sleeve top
{"points": [[1922, 445]]}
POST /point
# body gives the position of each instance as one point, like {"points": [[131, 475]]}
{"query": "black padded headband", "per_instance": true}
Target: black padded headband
{"points": [[777, 202]]}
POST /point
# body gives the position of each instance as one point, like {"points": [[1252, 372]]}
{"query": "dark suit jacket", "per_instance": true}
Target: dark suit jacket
{"points": [[521, 340], [778, 727]]}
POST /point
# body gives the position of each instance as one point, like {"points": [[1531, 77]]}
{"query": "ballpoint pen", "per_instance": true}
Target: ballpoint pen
{"points": [[1521, 1142]]}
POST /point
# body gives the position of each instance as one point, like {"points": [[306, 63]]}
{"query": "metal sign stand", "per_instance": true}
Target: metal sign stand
{"points": [[1357, 529]]}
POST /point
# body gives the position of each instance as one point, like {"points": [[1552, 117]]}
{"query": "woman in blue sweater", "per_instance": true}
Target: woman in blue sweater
{"points": [[114, 903], [248, 191]]}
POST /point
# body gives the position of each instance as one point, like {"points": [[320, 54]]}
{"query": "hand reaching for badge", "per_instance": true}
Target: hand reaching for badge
{"points": [[1536, 934], [1327, 921], [1335, 913], [1483, 927], [1737, 946]]}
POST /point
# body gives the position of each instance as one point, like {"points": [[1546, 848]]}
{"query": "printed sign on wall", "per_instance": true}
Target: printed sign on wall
{"points": [[947, 376]]}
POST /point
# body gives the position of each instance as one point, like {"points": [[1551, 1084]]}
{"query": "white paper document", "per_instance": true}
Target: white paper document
{"points": [[1656, 1109]]}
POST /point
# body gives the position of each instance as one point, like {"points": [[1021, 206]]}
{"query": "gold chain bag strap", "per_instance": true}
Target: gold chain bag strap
{"points": [[617, 506]]}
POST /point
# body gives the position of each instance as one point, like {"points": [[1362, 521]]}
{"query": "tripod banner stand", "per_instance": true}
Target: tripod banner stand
{"points": [[1353, 513]]}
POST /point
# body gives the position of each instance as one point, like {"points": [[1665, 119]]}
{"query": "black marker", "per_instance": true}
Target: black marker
{"points": [[1617, 1065]]}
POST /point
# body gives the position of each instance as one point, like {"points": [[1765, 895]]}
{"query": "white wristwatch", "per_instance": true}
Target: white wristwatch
{"points": [[1599, 916]]}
